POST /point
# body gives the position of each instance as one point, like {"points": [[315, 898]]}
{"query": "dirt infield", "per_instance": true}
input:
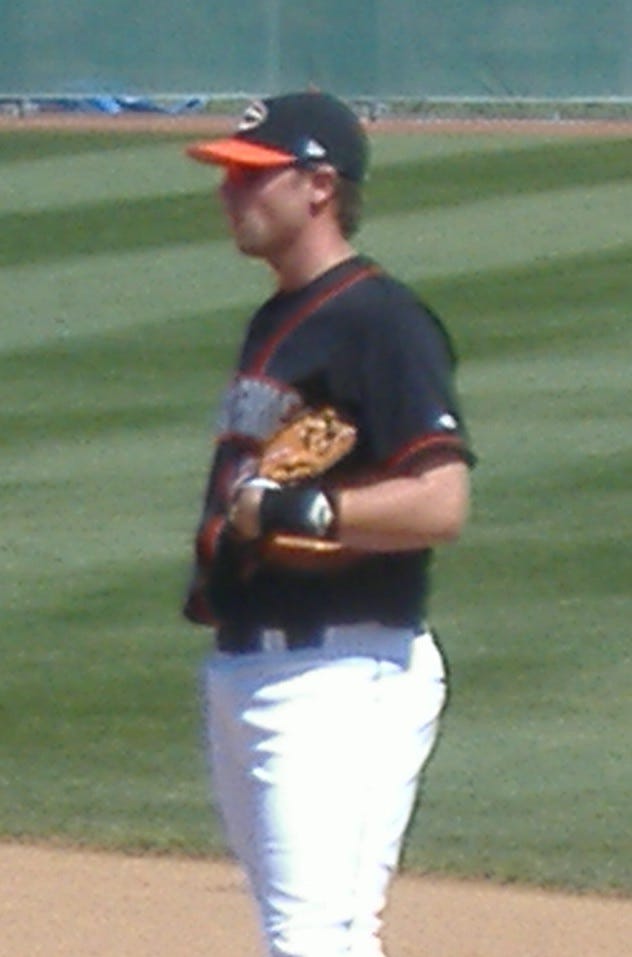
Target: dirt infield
{"points": [[65, 903], [200, 124]]}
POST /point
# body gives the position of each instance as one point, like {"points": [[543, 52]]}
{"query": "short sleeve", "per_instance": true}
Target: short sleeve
{"points": [[404, 381]]}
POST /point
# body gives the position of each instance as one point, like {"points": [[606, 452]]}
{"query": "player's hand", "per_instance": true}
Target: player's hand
{"points": [[244, 512], [261, 508]]}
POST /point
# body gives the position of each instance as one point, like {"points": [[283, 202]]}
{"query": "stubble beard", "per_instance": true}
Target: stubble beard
{"points": [[254, 240]]}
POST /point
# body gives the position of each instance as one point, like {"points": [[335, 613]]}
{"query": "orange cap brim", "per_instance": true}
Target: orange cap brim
{"points": [[238, 152]]}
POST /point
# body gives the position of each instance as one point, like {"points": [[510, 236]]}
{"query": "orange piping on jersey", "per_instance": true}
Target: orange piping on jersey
{"points": [[245, 442], [267, 351], [435, 440], [207, 538]]}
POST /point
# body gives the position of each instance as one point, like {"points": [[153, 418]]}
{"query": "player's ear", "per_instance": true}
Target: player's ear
{"points": [[323, 184]]}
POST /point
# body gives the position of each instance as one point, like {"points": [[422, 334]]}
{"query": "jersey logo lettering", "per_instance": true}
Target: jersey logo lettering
{"points": [[253, 408]]}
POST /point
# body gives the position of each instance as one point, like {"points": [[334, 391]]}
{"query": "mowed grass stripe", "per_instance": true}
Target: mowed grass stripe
{"points": [[102, 387], [559, 305], [462, 819], [110, 223], [555, 404], [131, 172], [18, 146], [84, 294], [109, 226], [143, 378], [130, 496], [465, 177], [505, 232], [395, 148], [80, 296], [128, 167], [102, 442], [554, 302], [42, 177]]}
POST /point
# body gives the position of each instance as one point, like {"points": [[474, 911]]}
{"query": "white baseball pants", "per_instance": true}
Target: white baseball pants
{"points": [[315, 757]]}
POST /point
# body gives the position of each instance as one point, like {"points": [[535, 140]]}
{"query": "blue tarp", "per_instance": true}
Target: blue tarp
{"points": [[110, 104]]}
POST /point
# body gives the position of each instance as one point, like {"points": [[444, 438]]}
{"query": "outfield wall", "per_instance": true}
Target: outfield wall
{"points": [[373, 48]]}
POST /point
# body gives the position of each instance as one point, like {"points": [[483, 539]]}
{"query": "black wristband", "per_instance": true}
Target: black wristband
{"points": [[302, 510]]}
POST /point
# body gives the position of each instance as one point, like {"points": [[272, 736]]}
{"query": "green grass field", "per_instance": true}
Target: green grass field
{"points": [[121, 306]]}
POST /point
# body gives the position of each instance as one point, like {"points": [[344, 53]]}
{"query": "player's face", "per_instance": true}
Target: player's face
{"points": [[267, 209]]}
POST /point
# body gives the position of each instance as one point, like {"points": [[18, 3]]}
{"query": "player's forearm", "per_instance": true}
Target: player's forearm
{"points": [[406, 513], [397, 514]]}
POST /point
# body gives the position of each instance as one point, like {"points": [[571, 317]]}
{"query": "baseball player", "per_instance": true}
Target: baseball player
{"points": [[324, 686]]}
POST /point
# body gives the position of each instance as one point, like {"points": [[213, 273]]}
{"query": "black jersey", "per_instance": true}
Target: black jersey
{"points": [[359, 340]]}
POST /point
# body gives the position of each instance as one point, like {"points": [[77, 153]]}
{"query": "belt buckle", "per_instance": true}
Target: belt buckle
{"points": [[273, 640]]}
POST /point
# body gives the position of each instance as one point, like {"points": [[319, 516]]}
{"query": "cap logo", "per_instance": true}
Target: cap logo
{"points": [[314, 150], [254, 116]]}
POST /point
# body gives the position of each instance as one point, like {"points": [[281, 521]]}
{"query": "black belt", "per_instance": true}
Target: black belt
{"points": [[249, 639], [242, 639]]}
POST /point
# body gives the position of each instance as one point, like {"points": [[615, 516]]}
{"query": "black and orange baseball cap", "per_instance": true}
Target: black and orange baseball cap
{"points": [[294, 129]]}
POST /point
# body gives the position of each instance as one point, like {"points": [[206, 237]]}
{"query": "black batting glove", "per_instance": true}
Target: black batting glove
{"points": [[297, 510]]}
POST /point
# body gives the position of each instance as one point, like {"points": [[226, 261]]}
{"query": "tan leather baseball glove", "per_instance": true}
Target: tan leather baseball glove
{"points": [[307, 446], [303, 449]]}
